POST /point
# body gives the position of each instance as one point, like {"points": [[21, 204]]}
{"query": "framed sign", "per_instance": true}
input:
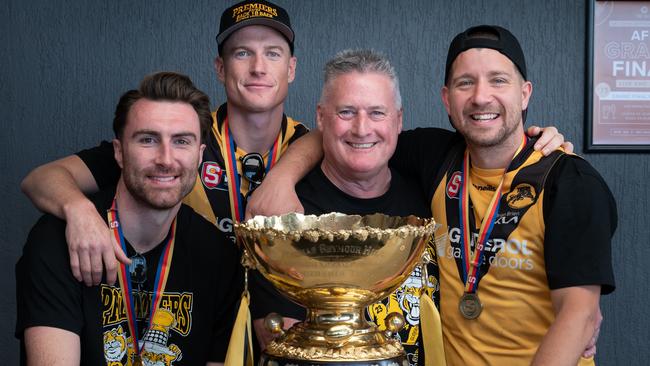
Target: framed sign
{"points": [[618, 76]]}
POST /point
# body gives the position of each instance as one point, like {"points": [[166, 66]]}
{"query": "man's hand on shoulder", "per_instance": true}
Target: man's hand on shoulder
{"points": [[90, 244], [549, 140], [59, 187], [276, 196]]}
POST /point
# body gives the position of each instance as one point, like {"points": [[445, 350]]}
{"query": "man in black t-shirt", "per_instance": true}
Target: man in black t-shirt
{"points": [[360, 130], [170, 305]]}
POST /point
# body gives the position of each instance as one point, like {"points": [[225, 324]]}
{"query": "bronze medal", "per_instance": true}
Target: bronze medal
{"points": [[470, 306]]}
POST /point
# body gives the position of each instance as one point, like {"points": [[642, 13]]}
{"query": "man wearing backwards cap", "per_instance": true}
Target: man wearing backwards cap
{"points": [[545, 262], [255, 63], [531, 295]]}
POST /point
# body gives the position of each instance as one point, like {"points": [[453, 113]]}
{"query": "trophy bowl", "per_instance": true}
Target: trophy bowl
{"points": [[335, 265]]}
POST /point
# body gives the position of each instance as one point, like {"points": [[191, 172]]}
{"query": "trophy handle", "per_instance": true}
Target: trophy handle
{"points": [[274, 323], [424, 260], [394, 323]]}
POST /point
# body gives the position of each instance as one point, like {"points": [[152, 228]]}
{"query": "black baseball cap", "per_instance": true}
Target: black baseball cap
{"points": [[487, 36], [256, 12]]}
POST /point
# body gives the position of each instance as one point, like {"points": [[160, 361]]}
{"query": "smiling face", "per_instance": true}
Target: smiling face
{"points": [[485, 98], [360, 121], [159, 152], [256, 68]]}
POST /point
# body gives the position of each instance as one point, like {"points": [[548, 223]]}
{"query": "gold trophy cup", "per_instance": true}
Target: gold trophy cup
{"points": [[335, 265]]}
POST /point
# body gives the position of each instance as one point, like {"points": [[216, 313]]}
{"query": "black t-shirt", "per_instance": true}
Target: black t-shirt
{"points": [[319, 196], [101, 162], [202, 294], [420, 154], [579, 209]]}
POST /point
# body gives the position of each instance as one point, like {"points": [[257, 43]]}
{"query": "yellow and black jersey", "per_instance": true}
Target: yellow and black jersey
{"points": [[210, 194], [553, 229]]}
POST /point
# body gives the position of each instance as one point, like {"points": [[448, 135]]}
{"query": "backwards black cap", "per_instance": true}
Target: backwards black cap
{"points": [[256, 12], [487, 36]]}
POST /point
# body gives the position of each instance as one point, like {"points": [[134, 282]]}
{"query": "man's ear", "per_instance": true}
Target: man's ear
{"points": [[293, 63], [526, 93], [444, 92], [118, 153], [201, 154], [219, 68], [400, 114], [319, 118]]}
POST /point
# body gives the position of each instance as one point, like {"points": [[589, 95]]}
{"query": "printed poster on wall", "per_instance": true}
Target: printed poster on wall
{"points": [[620, 101]]}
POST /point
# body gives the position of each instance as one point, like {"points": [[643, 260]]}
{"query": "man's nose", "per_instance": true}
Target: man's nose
{"points": [[360, 125], [258, 64], [164, 155], [482, 93]]}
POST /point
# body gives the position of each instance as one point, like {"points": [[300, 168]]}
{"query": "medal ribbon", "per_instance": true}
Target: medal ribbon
{"points": [[472, 260], [124, 276], [234, 179]]}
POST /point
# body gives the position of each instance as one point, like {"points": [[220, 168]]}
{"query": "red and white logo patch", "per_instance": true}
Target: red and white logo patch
{"points": [[211, 174], [453, 186]]}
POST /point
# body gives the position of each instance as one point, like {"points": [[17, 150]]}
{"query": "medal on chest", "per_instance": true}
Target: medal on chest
{"points": [[472, 256]]}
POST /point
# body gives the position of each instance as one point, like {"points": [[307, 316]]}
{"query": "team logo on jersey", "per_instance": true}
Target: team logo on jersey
{"points": [[213, 176], [115, 344], [453, 185], [523, 195], [156, 345]]}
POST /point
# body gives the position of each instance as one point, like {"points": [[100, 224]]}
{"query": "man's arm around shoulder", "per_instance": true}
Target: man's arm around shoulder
{"points": [[59, 188]]}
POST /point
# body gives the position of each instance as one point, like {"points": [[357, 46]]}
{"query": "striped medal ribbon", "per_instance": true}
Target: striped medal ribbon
{"points": [[124, 276], [470, 305], [232, 172]]}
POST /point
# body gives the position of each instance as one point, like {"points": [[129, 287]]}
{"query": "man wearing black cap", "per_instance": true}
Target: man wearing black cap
{"points": [[249, 133], [524, 244]]}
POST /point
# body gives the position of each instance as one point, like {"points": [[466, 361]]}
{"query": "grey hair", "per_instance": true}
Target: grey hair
{"points": [[362, 61]]}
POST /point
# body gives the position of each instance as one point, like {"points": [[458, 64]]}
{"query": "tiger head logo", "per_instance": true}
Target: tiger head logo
{"points": [[115, 344], [523, 195]]}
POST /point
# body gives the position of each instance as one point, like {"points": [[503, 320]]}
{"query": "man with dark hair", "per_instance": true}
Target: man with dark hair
{"points": [[524, 247], [165, 86], [170, 304], [249, 133]]}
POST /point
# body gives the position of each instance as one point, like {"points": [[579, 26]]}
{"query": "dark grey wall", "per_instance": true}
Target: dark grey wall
{"points": [[64, 64]]}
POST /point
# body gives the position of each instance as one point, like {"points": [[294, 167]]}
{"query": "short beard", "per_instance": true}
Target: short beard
{"points": [[155, 199]]}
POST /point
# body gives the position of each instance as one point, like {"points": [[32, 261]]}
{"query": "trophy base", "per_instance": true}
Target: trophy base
{"points": [[269, 360], [334, 337]]}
